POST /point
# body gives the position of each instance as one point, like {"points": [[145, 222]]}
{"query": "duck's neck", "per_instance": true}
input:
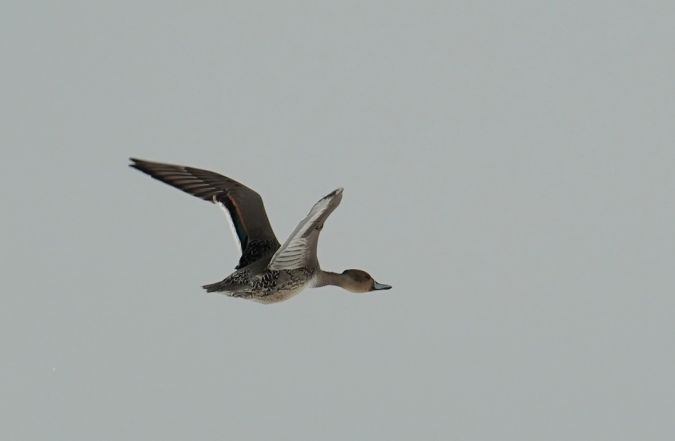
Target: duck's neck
{"points": [[324, 278]]}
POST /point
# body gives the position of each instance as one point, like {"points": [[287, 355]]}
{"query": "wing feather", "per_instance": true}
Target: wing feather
{"points": [[245, 206], [299, 250]]}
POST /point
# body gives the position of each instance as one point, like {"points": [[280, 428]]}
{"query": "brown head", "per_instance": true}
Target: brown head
{"points": [[355, 280]]}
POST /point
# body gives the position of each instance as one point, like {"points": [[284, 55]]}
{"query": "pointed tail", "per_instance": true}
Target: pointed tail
{"points": [[217, 287]]}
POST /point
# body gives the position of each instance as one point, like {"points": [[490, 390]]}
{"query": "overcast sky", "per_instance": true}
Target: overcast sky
{"points": [[509, 167]]}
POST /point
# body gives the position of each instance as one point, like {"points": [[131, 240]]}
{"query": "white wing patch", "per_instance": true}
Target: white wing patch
{"points": [[229, 222], [296, 251]]}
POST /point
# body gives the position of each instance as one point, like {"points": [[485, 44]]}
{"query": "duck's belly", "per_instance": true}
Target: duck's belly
{"points": [[271, 286], [278, 296]]}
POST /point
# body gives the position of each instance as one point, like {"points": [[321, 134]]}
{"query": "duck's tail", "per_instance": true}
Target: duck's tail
{"points": [[217, 287]]}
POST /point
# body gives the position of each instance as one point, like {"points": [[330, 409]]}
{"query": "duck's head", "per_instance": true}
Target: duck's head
{"points": [[360, 281]]}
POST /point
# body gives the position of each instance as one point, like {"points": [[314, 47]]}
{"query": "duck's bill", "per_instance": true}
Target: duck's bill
{"points": [[379, 286]]}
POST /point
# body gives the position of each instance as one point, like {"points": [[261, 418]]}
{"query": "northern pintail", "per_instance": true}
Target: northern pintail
{"points": [[267, 271]]}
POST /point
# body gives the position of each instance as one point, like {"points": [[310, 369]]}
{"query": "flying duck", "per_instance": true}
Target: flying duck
{"points": [[267, 271]]}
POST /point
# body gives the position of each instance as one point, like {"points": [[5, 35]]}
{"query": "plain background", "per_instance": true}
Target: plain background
{"points": [[508, 167]]}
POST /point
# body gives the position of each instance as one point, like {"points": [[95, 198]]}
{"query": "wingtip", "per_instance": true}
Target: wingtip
{"points": [[139, 164], [334, 193]]}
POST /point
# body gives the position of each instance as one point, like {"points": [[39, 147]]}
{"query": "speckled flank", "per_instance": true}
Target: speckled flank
{"points": [[266, 287]]}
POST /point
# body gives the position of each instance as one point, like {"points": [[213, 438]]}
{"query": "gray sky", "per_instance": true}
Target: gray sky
{"points": [[508, 167]]}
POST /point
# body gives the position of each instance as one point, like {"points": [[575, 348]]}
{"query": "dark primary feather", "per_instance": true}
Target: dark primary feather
{"points": [[244, 205]]}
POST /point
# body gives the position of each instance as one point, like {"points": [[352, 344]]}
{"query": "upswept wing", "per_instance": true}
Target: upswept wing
{"points": [[299, 250], [245, 206]]}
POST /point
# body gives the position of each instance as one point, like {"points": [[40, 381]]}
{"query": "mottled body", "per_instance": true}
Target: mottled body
{"points": [[266, 287], [256, 282]]}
